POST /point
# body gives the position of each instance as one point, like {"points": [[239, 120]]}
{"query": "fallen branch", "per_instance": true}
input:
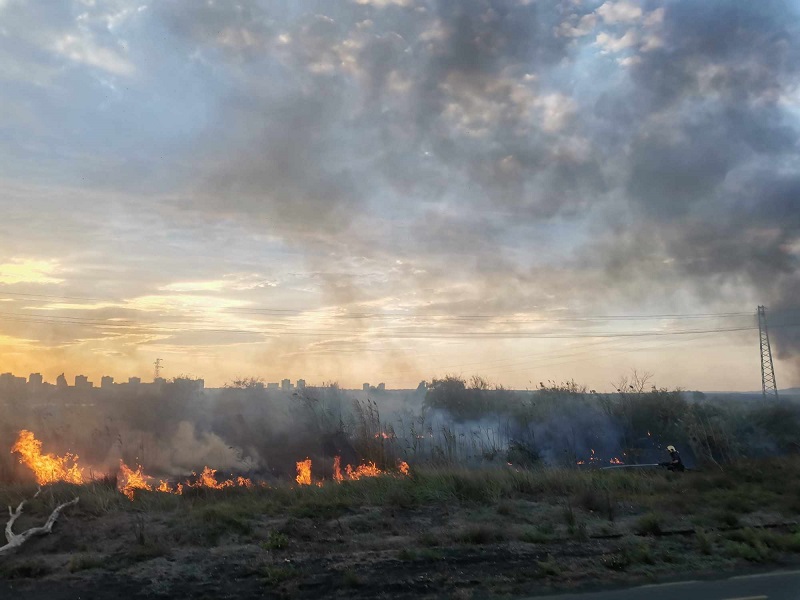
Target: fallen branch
{"points": [[15, 540]]}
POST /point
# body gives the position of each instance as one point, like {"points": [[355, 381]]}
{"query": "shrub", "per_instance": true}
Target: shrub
{"points": [[648, 524], [276, 541], [548, 567], [704, 543]]}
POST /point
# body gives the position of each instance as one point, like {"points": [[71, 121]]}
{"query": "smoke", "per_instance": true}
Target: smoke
{"points": [[461, 118], [480, 157]]}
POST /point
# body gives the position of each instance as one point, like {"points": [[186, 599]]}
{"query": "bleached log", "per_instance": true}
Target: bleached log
{"points": [[15, 540]]}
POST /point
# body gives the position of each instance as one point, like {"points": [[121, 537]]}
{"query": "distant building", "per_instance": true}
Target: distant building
{"points": [[82, 382], [35, 380], [381, 387], [301, 384], [186, 383], [61, 382], [10, 382], [365, 387], [273, 386], [134, 380], [286, 385], [106, 382]]}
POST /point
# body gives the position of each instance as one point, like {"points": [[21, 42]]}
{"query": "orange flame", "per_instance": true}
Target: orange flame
{"points": [[208, 479], [337, 469], [367, 470], [304, 472], [129, 480], [48, 468], [403, 467], [616, 461]]}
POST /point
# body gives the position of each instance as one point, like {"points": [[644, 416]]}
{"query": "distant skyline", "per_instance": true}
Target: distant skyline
{"points": [[395, 190]]}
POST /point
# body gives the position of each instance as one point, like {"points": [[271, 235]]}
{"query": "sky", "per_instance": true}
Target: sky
{"points": [[395, 190]]}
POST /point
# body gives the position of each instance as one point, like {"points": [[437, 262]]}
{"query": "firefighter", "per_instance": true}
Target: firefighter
{"points": [[674, 463]]}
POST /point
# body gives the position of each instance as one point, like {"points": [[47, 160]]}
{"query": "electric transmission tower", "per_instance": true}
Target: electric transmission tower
{"points": [[157, 369], [768, 385]]}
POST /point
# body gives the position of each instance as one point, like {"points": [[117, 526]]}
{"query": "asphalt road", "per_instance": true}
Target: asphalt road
{"points": [[778, 585]]}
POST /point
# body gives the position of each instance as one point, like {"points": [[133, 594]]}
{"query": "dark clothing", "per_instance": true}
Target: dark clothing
{"points": [[675, 463]]}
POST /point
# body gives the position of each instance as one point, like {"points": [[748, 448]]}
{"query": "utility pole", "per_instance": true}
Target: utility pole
{"points": [[768, 385], [157, 369]]}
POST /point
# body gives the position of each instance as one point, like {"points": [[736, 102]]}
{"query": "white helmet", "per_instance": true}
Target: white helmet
{"points": [[671, 449]]}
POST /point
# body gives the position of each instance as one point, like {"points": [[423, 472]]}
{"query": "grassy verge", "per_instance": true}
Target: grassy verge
{"points": [[498, 529]]}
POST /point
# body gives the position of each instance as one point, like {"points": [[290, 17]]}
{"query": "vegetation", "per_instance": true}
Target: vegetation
{"points": [[555, 519]]}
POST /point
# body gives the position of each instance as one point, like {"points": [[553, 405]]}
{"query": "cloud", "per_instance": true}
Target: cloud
{"points": [[513, 156], [621, 11], [29, 270], [83, 50]]}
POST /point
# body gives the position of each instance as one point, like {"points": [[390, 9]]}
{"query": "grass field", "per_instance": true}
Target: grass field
{"points": [[466, 533]]}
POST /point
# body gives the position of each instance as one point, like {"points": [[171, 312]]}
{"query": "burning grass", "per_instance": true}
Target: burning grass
{"points": [[495, 522]]}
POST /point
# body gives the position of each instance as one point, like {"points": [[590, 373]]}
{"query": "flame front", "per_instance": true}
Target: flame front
{"points": [[129, 480], [48, 468], [304, 472], [337, 469], [208, 479], [366, 470]]}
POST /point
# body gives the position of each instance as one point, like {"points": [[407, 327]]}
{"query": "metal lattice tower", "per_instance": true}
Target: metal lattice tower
{"points": [[157, 369], [768, 385]]}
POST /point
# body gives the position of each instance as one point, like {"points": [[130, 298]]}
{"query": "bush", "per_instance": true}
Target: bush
{"points": [[704, 542], [648, 524], [548, 567], [276, 541]]}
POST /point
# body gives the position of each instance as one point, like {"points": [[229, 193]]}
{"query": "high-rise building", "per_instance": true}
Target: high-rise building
{"points": [[106, 382], [381, 387], [273, 386], [9, 381], [35, 380], [365, 387], [286, 385], [301, 384], [134, 380], [82, 382]]}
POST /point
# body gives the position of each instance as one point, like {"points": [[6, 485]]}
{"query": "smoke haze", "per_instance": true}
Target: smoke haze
{"points": [[315, 189]]}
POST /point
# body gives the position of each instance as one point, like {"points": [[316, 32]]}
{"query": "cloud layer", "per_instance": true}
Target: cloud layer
{"points": [[480, 157]]}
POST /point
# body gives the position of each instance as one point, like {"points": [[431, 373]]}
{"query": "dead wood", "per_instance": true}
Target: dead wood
{"points": [[15, 540]]}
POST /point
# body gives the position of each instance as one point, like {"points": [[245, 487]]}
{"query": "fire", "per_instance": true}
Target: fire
{"points": [[367, 470], [337, 469], [129, 480], [208, 479], [403, 467], [304, 472], [48, 468], [383, 435], [616, 461], [164, 487]]}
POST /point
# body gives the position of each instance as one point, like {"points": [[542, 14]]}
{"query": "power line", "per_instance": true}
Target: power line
{"points": [[414, 334], [269, 311]]}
